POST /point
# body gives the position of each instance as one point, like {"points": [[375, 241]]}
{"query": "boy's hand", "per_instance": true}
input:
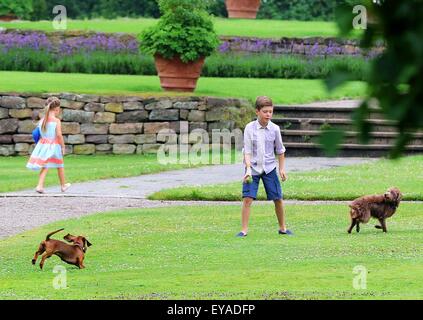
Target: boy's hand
{"points": [[283, 175], [247, 176]]}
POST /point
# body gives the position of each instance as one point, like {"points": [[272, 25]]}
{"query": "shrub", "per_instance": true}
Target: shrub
{"points": [[218, 65], [40, 11], [105, 63], [19, 8], [184, 30], [283, 66], [25, 60]]}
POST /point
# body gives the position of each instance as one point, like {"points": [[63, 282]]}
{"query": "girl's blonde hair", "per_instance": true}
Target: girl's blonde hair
{"points": [[51, 104]]}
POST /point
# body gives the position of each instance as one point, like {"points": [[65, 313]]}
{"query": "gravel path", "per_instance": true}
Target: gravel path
{"points": [[21, 211], [142, 186]]}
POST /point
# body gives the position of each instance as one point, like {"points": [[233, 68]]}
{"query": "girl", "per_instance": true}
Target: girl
{"points": [[50, 149]]}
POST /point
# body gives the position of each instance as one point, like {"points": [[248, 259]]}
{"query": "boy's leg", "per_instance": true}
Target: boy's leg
{"points": [[280, 214], [249, 193], [246, 209], [42, 178], [273, 189]]}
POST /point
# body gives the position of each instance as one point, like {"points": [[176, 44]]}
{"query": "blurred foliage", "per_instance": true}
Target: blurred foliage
{"points": [[395, 79], [330, 139]]}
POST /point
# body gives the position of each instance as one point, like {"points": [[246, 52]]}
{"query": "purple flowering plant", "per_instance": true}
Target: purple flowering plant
{"points": [[83, 44]]}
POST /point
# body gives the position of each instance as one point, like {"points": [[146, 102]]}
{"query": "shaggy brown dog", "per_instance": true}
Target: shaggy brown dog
{"points": [[380, 207], [72, 254]]}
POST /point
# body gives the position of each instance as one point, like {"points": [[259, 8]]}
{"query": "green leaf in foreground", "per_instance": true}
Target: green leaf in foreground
{"points": [[330, 139]]}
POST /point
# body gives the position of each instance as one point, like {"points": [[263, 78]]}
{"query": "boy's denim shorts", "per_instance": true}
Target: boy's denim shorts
{"points": [[271, 185]]}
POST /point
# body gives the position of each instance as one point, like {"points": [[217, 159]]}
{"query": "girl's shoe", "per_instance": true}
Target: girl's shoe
{"points": [[66, 187], [41, 191]]}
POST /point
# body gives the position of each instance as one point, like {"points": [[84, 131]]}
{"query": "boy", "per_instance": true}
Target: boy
{"points": [[261, 139]]}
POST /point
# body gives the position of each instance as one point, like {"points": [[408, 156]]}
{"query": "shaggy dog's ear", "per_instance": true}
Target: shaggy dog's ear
{"points": [[395, 195], [398, 195]]}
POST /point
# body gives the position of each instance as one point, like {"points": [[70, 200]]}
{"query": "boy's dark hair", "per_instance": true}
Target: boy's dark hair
{"points": [[262, 102]]}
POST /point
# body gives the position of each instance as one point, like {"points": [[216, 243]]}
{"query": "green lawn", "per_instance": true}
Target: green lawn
{"points": [[281, 90], [343, 183], [14, 176], [175, 253], [227, 27]]}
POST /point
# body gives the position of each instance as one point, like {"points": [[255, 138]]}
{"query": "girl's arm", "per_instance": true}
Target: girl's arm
{"points": [[60, 136]]}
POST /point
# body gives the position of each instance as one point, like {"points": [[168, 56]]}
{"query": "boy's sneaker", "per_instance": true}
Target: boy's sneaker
{"points": [[287, 232], [241, 235]]}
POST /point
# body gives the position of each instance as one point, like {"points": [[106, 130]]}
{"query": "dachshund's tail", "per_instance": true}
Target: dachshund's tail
{"points": [[51, 233]]}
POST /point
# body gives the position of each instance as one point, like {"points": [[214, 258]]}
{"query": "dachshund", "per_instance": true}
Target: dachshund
{"points": [[70, 253]]}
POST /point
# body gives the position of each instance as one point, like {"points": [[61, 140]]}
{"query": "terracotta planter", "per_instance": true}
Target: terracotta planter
{"points": [[176, 75], [8, 18], [245, 9]]}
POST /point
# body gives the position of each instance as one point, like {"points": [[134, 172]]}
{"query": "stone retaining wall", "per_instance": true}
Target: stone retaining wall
{"points": [[314, 46], [311, 46], [94, 124]]}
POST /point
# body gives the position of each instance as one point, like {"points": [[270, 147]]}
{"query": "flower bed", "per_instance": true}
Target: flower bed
{"points": [[39, 41]]}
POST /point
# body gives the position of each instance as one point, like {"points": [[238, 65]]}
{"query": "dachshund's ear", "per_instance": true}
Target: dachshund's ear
{"points": [[68, 238], [87, 242]]}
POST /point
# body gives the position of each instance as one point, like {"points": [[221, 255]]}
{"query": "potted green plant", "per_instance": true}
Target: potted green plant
{"points": [[180, 41], [245, 9], [13, 9]]}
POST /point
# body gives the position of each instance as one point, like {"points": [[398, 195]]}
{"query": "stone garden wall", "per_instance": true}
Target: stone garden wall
{"points": [[65, 42], [311, 46], [93, 124]]}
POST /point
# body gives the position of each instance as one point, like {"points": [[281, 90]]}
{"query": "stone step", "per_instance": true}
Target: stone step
{"points": [[301, 125], [346, 150], [342, 124], [319, 112], [350, 137], [278, 108]]}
